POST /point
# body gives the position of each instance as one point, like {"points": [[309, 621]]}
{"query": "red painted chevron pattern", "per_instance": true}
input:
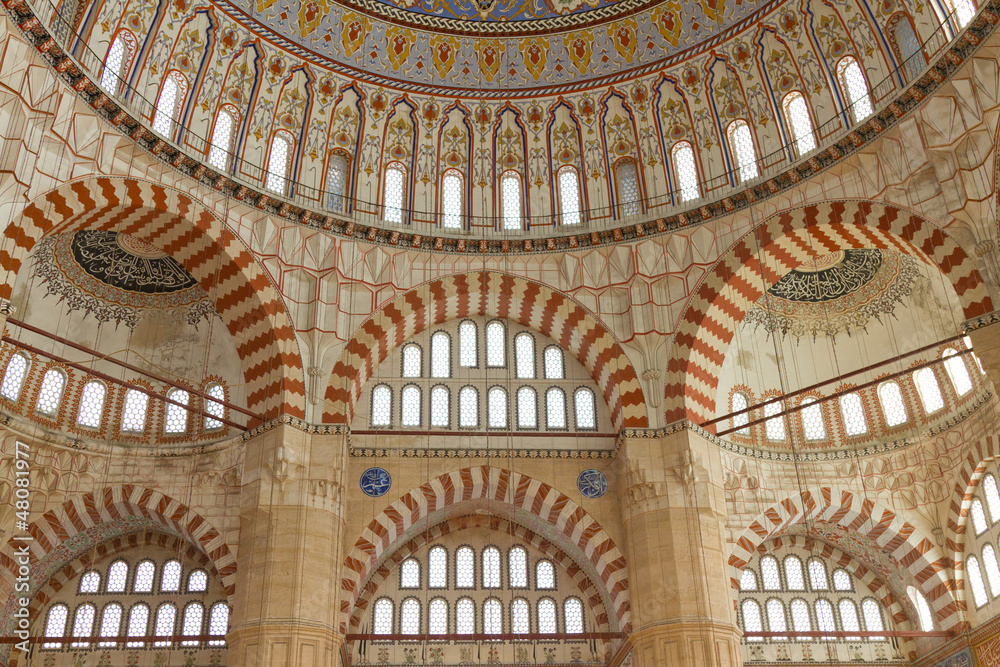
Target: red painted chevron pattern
{"points": [[81, 525], [909, 550], [494, 295], [494, 525], [716, 309], [561, 521], [249, 304]]}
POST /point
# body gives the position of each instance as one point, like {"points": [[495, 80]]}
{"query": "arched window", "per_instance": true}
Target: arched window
{"points": [[527, 408], [547, 616], [545, 575], [279, 162], [751, 619], [817, 575], [584, 410], [853, 414], [412, 360], [812, 420], [793, 574], [468, 407], [91, 404], [437, 568], [437, 617], [13, 377], [511, 206], [496, 346], [992, 497], [465, 617], [968, 345], [51, 391], [218, 623], [117, 577], [930, 392], [682, 156], [573, 616], [409, 410], [748, 580], [111, 623], [855, 88], [976, 581], [220, 151], [800, 617], [569, 196], [824, 617], [769, 573], [468, 350], [520, 622], [554, 369], [409, 573], [440, 406], [382, 617], [394, 192], [138, 621], [907, 46], [176, 420], [144, 574], [168, 105], [799, 122], [849, 618], [992, 569], [191, 622], [524, 356], [381, 406], [90, 582], [923, 609], [517, 565], [55, 624], [336, 182], [497, 407], [842, 581], [197, 581], [893, 407], [117, 62], [166, 615], [627, 184], [957, 372], [963, 11], [555, 408], [134, 412], [491, 567], [215, 407], [170, 577], [465, 568], [873, 617], [83, 623], [774, 427], [776, 621], [409, 617], [740, 422], [492, 617], [978, 517], [451, 199], [741, 144]]}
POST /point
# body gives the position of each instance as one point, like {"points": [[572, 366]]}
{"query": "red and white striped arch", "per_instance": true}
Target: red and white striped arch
{"points": [[980, 457], [926, 566], [493, 525], [183, 228], [717, 308], [564, 523], [493, 295]]}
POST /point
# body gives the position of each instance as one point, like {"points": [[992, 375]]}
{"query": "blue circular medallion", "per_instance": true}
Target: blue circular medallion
{"points": [[592, 483], [375, 482]]}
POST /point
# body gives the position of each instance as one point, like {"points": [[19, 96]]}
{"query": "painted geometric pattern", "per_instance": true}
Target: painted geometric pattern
{"points": [[763, 256], [246, 300], [492, 295], [80, 525], [562, 521], [895, 537], [495, 525]]}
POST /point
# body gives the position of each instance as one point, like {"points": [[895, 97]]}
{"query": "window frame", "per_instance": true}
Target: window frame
{"points": [[452, 172], [402, 405], [640, 203], [851, 105], [682, 193], [561, 204], [517, 407], [286, 179], [501, 206], [230, 149], [447, 407], [100, 411], [478, 410], [395, 165], [735, 152], [24, 376], [129, 47], [183, 86], [371, 418], [331, 196], [565, 409], [54, 413], [576, 409], [796, 141], [450, 373]]}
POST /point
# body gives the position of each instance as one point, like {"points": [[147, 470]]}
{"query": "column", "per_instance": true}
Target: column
{"points": [[289, 561], [674, 512]]}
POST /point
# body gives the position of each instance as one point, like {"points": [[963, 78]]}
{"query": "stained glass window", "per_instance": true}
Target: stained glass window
{"points": [[336, 183], [437, 617], [976, 581], [468, 350], [381, 406], [468, 407], [410, 406], [491, 567], [176, 420], [409, 617], [545, 575], [873, 617], [134, 413], [518, 566], [893, 407], [465, 617], [218, 623], [842, 581], [774, 427], [751, 619], [520, 623], [569, 196], [849, 618], [957, 371], [741, 143], [51, 391], [573, 616], [583, 409], [166, 614], [83, 623], [55, 624], [776, 616], [824, 617], [440, 355], [800, 617], [853, 414], [855, 87], [409, 574], [527, 408], [215, 408], [392, 193], [497, 407], [978, 517], [437, 568], [440, 406], [170, 577], [119, 55], [13, 378], [799, 122], [930, 392], [197, 581], [117, 577], [495, 345], [554, 369], [547, 616], [90, 582], [492, 617], [221, 146], [138, 620], [144, 574], [510, 200], [769, 573], [748, 580], [908, 46], [812, 420], [992, 569], [817, 575], [451, 200], [191, 623], [793, 574], [740, 421], [171, 99], [465, 568], [627, 179], [992, 496], [684, 168], [524, 356], [382, 617], [111, 623]]}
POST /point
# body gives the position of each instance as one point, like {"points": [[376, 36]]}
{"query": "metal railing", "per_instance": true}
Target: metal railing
{"points": [[658, 205]]}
